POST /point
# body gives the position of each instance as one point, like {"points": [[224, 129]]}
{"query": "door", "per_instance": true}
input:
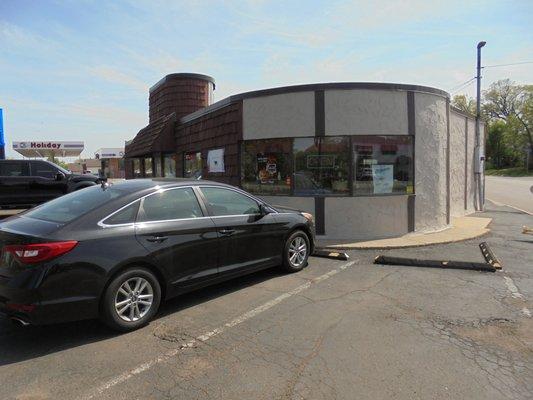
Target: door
{"points": [[248, 239], [172, 226], [44, 184], [14, 183]]}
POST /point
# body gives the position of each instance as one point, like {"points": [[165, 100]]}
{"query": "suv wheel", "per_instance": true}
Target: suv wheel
{"points": [[131, 300], [296, 252]]}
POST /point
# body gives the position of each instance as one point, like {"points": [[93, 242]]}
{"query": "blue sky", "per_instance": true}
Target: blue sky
{"points": [[81, 69]]}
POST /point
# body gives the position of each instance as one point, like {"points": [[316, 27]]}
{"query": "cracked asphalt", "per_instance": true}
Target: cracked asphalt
{"points": [[332, 331]]}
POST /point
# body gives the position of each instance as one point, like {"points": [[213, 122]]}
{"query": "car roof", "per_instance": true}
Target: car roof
{"points": [[133, 185]]}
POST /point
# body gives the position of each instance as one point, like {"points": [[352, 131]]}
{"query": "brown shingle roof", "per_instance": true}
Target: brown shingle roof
{"points": [[155, 137]]}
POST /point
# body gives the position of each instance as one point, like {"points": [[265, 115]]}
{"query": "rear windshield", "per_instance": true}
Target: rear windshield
{"points": [[73, 205]]}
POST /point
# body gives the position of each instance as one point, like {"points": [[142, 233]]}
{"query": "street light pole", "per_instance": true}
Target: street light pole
{"points": [[479, 156]]}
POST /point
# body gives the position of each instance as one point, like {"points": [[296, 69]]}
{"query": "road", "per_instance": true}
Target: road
{"points": [[336, 330], [515, 192]]}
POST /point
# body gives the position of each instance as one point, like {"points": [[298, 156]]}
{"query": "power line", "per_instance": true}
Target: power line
{"points": [[462, 85], [505, 65]]}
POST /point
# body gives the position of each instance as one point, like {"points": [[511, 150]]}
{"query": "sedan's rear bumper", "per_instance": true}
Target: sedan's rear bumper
{"points": [[28, 305]]}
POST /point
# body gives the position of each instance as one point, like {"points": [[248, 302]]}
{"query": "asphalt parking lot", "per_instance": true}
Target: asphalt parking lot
{"points": [[336, 330]]}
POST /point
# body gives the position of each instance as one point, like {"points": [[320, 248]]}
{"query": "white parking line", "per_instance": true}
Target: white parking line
{"points": [[515, 293], [208, 335], [507, 205]]}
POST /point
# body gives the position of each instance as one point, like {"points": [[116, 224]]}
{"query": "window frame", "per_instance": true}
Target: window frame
{"points": [[173, 159], [413, 138], [239, 191], [349, 193], [140, 211], [184, 164], [104, 224], [241, 155], [351, 186], [200, 200], [35, 163], [24, 165]]}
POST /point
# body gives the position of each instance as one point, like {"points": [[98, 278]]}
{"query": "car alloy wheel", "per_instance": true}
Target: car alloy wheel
{"points": [[297, 251], [133, 299]]}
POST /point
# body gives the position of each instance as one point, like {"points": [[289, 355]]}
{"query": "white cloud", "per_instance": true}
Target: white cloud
{"points": [[116, 76]]}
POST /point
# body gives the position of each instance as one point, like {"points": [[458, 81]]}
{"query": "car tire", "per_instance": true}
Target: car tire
{"points": [[296, 251], [131, 299]]}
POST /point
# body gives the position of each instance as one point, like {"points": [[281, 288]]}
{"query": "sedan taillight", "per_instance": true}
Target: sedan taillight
{"points": [[36, 253]]}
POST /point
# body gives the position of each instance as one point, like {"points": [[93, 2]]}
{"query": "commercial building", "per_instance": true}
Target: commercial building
{"points": [[111, 161], [369, 160], [40, 148]]}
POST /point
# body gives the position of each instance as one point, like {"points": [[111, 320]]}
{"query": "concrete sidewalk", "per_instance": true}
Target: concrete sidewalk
{"points": [[461, 228]]}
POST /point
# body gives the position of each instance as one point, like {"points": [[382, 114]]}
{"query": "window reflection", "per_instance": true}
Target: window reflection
{"points": [[321, 166], [383, 164], [266, 166]]}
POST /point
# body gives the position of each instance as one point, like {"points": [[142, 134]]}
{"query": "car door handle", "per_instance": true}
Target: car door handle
{"points": [[227, 232], [157, 239]]}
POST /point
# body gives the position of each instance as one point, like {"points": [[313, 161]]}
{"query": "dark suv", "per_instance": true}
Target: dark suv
{"points": [[25, 183]]}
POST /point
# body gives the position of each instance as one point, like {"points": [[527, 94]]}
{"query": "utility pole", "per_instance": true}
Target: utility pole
{"points": [[479, 155], [2, 141]]}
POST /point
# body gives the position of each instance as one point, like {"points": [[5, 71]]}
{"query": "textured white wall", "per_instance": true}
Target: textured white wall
{"points": [[457, 164], [365, 112], [430, 162], [364, 218], [282, 115], [471, 176]]}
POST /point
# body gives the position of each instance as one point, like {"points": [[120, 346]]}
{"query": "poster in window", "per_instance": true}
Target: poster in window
{"points": [[267, 168], [383, 177], [215, 160]]}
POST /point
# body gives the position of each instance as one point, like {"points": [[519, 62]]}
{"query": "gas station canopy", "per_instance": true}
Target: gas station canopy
{"points": [[48, 149]]}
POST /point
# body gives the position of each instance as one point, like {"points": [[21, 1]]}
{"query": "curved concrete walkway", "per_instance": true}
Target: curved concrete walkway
{"points": [[462, 228]]}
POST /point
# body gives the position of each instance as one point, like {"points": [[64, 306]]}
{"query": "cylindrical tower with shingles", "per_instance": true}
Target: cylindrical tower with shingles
{"points": [[181, 93]]}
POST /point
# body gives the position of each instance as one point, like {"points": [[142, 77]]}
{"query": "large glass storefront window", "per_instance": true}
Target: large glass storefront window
{"points": [[169, 165], [321, 166], [266, 166], [192, 165], [148, 172], [158, 171], [382, 164], [137, 171]]}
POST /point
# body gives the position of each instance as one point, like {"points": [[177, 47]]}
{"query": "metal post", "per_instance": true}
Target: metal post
{"points": [[2, 142], [479, 172]]}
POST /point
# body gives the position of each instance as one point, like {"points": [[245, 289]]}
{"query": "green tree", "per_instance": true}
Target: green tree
{"points": [[54, 160], [506, 101], [495, 146], [464, 103]]}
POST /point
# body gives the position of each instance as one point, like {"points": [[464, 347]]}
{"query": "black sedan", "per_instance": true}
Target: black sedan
{"points": [[116, 251]]}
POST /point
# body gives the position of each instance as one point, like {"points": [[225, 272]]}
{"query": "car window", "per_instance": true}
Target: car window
{"points": [[170, 204], [73, 205], [14, 169], [125, 216], [43, 170], [229, 202]]}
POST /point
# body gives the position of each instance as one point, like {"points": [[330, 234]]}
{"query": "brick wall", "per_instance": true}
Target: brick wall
{"points": [[219, 129]]}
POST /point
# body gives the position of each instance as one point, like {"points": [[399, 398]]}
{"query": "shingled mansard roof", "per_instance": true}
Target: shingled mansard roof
{"points": [[156, 136]]}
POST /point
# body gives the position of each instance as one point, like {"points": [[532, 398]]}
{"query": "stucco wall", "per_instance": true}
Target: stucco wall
{"points": [[282, 115], [365, 112], [364, 218], [358, 218], [457, 164], [430, 162], [471, 184]]}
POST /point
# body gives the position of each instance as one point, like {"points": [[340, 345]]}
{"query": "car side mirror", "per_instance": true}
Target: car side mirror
{"points": [[263, 210], [59, 176]]}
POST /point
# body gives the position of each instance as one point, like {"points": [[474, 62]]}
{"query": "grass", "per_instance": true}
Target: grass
{"points": [[516, 171]]}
